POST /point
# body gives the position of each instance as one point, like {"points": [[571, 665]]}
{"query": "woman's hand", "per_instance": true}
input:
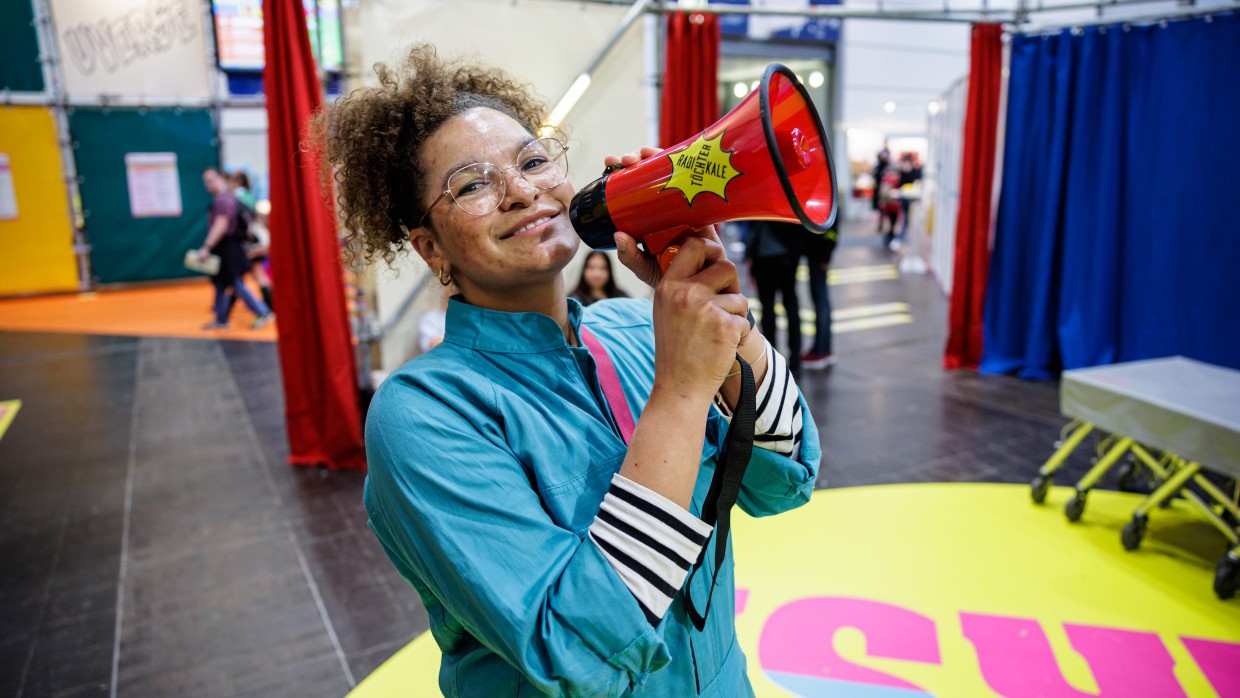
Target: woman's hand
{"points": [[642, 264], [699, 321]]}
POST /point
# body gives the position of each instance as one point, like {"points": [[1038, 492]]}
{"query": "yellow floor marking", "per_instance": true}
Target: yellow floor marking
{"points": [[877, 272], [870, 323], [946, 559], [8, 410]]}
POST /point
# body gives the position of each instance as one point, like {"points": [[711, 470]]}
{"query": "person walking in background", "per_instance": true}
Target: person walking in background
{"points": [[818, 252], [888, 205], [257, 238], [596, 281], [225, 240], [774, 249], [880, 168], [910, 174]]}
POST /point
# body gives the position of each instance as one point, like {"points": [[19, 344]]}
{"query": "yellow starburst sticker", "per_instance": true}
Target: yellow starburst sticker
{"points": [[704, 166]]}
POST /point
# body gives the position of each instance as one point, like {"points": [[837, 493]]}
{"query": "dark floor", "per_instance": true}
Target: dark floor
{"points": [[154, 543]]}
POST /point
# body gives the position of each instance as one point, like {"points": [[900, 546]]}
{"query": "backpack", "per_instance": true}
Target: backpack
{"points": [[244, 222]]}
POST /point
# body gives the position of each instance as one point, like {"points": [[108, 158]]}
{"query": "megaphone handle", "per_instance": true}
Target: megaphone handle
{"points": [[666, 256]]}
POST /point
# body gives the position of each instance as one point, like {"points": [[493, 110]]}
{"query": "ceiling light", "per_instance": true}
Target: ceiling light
{"points": [[889, 106], [816, 79]]}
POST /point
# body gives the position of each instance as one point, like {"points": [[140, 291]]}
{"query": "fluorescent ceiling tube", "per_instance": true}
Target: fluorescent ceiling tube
{"points": [[568, 101]]}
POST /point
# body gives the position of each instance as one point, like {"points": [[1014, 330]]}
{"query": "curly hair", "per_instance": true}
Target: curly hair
{"points": [[372, 140]]}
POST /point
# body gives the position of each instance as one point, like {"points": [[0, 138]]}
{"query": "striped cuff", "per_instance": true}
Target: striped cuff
{"points": [[779, 408], [778, 427], [650, 541]]}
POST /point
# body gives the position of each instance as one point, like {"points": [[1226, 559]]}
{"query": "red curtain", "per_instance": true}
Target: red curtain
{"points": [[964, 338], [316, 350], [691, 76]]}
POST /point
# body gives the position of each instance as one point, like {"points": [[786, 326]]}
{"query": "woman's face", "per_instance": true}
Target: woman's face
{"points": [[527, 240], [596, 274], [214, 182]]}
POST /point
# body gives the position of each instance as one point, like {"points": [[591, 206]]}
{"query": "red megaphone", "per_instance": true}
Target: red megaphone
{"points": [[766, 159]]}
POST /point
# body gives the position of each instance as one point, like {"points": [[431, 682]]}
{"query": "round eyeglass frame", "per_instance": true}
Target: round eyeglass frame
{"points": [[562, 157]]}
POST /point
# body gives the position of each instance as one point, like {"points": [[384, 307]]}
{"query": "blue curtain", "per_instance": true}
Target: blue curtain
{"points": [[1118, 232]]}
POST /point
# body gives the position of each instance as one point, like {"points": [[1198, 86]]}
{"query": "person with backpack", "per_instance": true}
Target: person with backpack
{"points": [[226, 231], [257, 239], [889, 205]]}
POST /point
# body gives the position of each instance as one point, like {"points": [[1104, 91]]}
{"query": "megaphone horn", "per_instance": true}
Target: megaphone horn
{"points": [[769, 159]]}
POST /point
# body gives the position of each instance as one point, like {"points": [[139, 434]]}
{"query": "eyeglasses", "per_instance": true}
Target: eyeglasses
{"points": [[479, 188]]}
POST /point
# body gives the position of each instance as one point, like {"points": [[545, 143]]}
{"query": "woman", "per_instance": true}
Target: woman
{"points": [[547, 552], [596, 282], [223, 223]]}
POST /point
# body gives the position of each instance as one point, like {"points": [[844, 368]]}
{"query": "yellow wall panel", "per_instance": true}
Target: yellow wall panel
{"points": [[36, 249]]}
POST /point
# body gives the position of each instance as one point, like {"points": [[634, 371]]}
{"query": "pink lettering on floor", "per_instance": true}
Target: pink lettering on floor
{"points": [[1220, 662], [798, 639], [1017, 661]]}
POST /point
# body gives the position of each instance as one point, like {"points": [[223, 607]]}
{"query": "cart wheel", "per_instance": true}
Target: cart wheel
{"points": [[1038, 488], [1133, 532], [1075, 507], [1227, 577], [1128, 478]]}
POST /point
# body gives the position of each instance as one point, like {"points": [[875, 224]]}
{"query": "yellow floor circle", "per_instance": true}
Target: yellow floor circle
{"points": [[902, 591]]}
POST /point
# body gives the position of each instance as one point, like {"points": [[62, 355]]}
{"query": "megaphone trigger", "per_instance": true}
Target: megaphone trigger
{"points": [[666, 256], [613, 167]]}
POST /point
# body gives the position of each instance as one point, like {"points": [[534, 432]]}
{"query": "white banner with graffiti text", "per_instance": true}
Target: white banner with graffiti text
{"points": [[151, 49]]}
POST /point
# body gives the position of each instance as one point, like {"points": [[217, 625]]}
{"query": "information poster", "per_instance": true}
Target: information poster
{"points": [[8, 196], [154, 185]]}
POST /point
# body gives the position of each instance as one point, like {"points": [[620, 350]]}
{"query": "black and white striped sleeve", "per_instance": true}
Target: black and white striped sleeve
{"points": [[779, 408], [778, 426], [649, 540]]}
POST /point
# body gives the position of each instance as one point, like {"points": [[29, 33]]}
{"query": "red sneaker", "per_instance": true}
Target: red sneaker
{"points": [[816, 360]]}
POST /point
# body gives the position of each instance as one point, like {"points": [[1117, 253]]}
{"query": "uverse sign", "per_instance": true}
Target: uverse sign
{"points": [[132, 48]]}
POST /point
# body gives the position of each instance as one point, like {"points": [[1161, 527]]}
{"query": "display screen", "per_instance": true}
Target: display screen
{"points": [[331, 50], [239, 33]]}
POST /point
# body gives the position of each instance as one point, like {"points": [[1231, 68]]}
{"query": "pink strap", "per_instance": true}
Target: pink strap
{"points": [[610, 382]]}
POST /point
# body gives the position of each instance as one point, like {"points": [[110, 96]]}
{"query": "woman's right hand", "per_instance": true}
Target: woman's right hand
{"points": [[699, 321]]}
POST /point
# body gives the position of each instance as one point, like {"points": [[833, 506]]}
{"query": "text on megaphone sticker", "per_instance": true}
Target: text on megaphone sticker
{"points": [[704, 166]]}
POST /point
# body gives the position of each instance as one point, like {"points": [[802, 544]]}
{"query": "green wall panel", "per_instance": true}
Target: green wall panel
{"points": [[124, 248], [20, 70]]}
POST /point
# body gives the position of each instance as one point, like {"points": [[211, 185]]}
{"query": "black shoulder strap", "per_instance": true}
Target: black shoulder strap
{"points": [[725, 486]]}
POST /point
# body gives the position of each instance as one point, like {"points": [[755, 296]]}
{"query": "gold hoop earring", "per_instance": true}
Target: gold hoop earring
{"points": [[445, 278]]}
